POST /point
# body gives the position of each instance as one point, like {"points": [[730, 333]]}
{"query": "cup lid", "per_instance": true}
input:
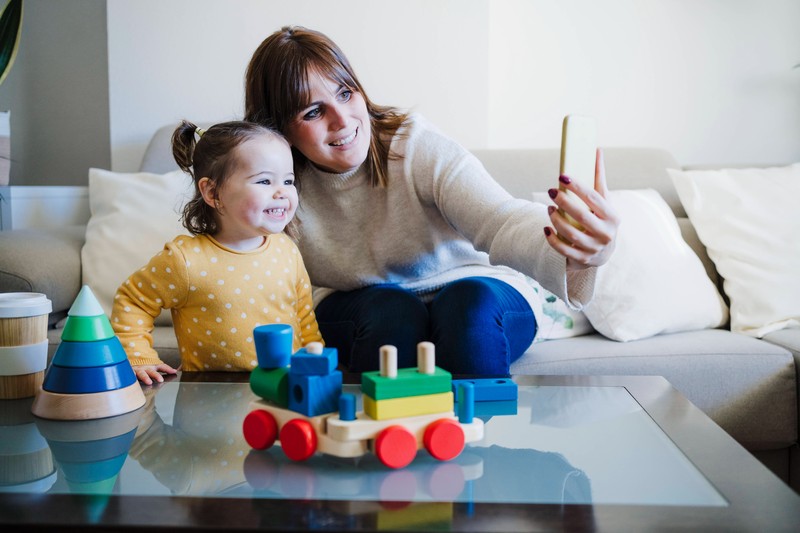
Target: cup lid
{"points": [[24, 304]]}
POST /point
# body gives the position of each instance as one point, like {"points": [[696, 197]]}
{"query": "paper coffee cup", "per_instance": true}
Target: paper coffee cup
{"points": [[23, 343]]}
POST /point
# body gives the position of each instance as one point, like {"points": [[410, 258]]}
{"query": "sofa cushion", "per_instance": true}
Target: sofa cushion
{"points": [[745, 385], [747, 218], [43, 261], [133, 215], [788, 338], [653, 283]]}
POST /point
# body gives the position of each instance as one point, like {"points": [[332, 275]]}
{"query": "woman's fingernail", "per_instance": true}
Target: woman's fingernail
{"points": [[564, 179], [553, 193], [547, 231], [551, 209]]}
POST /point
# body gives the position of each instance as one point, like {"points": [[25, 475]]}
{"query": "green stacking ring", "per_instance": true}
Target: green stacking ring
{"points": [[87, 328], [103, 487]]}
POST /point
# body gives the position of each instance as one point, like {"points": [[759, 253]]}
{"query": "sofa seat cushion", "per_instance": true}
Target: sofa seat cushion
{"points": [[745, 385], [788, 338]]}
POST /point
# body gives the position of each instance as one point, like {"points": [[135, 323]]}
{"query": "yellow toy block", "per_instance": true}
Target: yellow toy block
{"points": [[422, 515], [409, 406]]}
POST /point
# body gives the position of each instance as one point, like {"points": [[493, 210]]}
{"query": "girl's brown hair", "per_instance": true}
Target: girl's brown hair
{"points": [[277, 88], [211, 156]]}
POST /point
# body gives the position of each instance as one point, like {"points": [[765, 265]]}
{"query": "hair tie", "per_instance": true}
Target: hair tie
{"points": [[199, 131]]}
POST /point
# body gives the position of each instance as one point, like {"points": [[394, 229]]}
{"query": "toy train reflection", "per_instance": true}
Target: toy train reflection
{"points": [[404, 410]]}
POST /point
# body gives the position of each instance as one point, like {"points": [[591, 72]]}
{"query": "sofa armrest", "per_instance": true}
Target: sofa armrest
{"points": [[47, 261]]}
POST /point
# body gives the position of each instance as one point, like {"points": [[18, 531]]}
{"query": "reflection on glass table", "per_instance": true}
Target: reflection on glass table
{"points": [[563, 445], [76, 456]]}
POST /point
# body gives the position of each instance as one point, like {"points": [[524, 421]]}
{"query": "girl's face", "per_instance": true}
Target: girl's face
{"points": [[333, 132], [259, 197]]}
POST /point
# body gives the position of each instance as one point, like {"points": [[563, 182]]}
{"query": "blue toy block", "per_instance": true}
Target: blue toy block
{"points": [[314, 395], [66, 380], [466, 407], [273, 344], [347, 407], [314, 364], [497, 408], [489, 389], [82, 354]]}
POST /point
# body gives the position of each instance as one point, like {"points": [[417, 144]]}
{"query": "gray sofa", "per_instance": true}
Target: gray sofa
{"points": [[747, 386]]}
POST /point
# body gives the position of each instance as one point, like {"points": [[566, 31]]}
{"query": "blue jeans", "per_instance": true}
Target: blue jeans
{"points": [[479, 325]]}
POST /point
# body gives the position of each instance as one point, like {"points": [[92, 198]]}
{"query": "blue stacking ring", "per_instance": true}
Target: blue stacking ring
{"points": [[66, 380], [91, 450], [83, 472], [89, 354]]}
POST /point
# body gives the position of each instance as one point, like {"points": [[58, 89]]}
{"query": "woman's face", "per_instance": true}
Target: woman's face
{"points": [[333, 132]]}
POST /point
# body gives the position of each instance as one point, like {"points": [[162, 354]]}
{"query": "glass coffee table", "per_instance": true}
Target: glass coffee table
{"points": [[580, 453]]}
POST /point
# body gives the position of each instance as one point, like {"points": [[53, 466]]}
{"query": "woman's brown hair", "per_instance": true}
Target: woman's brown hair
{"points": [[210, 156], [277, 88]]}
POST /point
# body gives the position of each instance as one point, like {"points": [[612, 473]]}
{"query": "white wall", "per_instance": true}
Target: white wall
{"points": [[57, 91], [187, 58], [710, 80]]}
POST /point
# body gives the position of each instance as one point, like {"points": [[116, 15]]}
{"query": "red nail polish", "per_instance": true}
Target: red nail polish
{"points": [[564, 179], [553, 193], [551, 209], [547, 231]]}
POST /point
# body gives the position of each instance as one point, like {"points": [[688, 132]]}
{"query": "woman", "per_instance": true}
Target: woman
{"points": [[403, 231]]}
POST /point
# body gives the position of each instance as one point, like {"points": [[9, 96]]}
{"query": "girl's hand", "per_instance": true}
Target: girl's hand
{"points": [[593, 245], [147, 373]]}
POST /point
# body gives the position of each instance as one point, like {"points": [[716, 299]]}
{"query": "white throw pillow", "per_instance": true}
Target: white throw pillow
{"points": [[132, 216], [749, 221], [653, 283]]}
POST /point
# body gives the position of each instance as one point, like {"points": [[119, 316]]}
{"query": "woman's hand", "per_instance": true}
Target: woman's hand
{"points": [[147, 373], [594, 244]]}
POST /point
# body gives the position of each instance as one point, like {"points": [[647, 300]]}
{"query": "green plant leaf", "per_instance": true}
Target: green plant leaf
{"points": [[10, 25]]}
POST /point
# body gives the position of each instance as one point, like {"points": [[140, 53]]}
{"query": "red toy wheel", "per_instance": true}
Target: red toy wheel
{"points": [[444, 439], [260, 429], [298, 439], [396, 446]]}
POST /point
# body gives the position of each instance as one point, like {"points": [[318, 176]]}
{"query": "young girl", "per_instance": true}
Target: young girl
{"points": [[413, 240], [236, 270]]}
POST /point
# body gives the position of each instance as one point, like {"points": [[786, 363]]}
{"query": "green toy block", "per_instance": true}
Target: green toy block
{"points": [[409, 382], [87, 329], [271, 384]]}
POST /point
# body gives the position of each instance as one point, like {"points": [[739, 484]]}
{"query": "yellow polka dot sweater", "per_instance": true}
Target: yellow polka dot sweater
{"points": [[216, 296]]}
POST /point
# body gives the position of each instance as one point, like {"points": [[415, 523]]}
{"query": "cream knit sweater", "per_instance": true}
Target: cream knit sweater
{"points": [[441, 218]]}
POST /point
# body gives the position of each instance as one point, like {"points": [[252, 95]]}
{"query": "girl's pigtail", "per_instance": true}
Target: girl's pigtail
{"points": [[183, 145]]}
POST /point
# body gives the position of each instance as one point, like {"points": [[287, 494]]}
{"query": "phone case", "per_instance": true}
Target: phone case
{"points": [[578, 153], [578, 149]]}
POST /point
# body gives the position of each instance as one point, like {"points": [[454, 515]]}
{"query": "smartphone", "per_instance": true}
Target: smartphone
{"points": [[578, 153]]}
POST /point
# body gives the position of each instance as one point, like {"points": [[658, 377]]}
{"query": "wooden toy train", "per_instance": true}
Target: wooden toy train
{"points": [[404, 410]]}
